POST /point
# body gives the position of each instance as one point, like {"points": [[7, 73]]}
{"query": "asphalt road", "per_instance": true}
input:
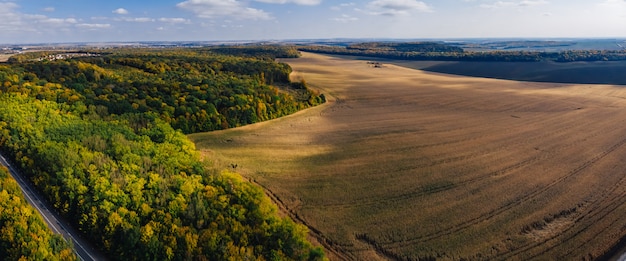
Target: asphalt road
{"points": [[82, 247]]}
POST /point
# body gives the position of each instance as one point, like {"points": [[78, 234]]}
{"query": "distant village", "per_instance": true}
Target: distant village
{"points": [[63, 56], [12, 50], [50, 57]]}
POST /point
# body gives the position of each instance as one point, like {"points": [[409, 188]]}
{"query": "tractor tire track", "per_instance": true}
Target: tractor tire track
{"points": [[496, 173], [328, 244], [592, 209], [600, 209], [509, 205]]}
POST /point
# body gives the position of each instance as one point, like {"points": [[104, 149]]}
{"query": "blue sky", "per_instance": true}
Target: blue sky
{"points": [[43, 21]]}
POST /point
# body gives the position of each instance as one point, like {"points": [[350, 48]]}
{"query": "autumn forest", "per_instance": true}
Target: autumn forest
{"points": [[102, 136]]}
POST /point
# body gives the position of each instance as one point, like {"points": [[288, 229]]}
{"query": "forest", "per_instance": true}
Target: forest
{"points": [[102, 137], [23, 233], [444, 52], [193, 90], [423, 47]]}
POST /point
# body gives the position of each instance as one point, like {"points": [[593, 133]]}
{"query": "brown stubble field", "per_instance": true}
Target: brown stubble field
{"points": [[4, 57], [405, 164]]}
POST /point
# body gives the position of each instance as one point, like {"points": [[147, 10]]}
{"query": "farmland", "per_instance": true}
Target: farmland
{"points": [[407, 164]]}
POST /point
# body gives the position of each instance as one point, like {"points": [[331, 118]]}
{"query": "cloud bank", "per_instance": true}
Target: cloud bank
{"points": [[396, 7], [120, 11], [223, 8], [298, 2], [505, 4]]}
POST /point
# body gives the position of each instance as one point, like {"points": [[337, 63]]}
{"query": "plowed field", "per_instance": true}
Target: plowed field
{"points": [[406, 164]]}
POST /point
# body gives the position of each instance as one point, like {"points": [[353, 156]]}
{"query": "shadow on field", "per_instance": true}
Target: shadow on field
{"points": [[406, 165], [576, 72]]}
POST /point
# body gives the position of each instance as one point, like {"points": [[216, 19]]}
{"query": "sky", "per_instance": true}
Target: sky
{"points": [[60, 21]]}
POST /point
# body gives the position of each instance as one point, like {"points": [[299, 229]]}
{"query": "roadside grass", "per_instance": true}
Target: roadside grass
{"points": [[406, 164]]}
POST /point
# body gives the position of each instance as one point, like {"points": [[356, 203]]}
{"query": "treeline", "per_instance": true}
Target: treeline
{"points": [[194, 90], [23, 233], [422, 47], [377, 51], [137, 187], [516, 44], [589, 56], [259, 51]]}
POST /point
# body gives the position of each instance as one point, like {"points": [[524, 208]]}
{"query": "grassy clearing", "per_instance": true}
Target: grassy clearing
{"points": [[408, 164]]}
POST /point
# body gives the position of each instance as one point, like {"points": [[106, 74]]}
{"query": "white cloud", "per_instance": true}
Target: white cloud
{"points": [[59, 21], [135, 19], [223, 8], [94, 26], [613, 9], [505, 4], [344, 18], [499, 4], [8, 6], [176, 20], [14, 22], [532, 3], [10, 20], [34, 17], [298, 2], [120, 11], [613, 3], [397, 7], [49, 9], [341, 6], [37, 21]]}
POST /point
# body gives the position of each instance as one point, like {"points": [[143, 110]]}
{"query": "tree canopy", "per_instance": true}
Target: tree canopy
{"points": [[193, 90], [444, 52], [94, 135], [23, 233]]}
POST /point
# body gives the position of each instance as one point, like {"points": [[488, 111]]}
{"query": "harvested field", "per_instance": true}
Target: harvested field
{"points": [[4, 57], [406, 164]]}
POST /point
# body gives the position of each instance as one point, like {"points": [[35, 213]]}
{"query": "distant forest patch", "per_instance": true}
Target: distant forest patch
{"points": [[572, 66], [435, 51]]}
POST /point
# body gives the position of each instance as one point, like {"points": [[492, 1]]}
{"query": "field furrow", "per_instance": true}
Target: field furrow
{"points": [[404, 164]]}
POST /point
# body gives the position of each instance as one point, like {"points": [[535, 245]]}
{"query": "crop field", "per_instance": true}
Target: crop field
{"points": [[403, 164], [4, 57]]}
